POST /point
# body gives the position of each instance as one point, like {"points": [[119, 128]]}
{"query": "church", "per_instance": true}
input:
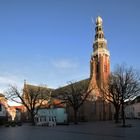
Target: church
{"points": [[95, 107]]}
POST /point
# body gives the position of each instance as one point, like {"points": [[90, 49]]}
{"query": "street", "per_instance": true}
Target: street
{"points": [[83, 131]]}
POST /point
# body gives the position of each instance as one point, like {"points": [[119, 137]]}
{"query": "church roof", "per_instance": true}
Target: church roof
{"points": [[2, 95], [56, 92], [38, 89], [28, 86], [59, 91]]}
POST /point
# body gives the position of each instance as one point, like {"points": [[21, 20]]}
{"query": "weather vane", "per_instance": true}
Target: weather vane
{"points": [[92, 20], [98, 12]]}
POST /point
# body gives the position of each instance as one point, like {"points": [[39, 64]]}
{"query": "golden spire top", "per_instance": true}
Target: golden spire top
{"points": [[99, 21]]}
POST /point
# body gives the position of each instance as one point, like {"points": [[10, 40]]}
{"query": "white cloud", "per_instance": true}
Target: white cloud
{"points": [[5, 81]]}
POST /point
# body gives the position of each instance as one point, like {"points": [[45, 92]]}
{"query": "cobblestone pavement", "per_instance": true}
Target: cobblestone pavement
{"points": [[83, 131]]}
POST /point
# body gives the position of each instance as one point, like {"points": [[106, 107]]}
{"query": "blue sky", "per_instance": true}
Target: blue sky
{"points": [[49, 42]]}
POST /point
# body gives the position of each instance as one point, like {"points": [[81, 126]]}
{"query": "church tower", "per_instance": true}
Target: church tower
{"points": [[99, 72], [100, 59]]}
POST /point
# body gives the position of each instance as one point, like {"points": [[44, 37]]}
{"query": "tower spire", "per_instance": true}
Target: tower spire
{"points": [[100, 59]]}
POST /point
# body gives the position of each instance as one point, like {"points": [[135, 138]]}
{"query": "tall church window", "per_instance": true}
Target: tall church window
{"points": [[105, 68], [97, 68]]}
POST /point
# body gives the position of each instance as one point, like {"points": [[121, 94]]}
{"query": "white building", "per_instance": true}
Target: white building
{"points": [[132, 110], [51, 115], [2, 111]]}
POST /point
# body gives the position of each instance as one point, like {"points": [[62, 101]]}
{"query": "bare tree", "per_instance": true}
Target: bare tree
{"points": [[75, 95], [123, 84], [110, 94], [32, 97], [127, 85]]}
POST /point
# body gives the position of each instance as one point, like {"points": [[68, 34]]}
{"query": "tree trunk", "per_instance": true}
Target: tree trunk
{"points": [[117, 114], [33, 119], [75, 116], [104, 114], [123, 114]]}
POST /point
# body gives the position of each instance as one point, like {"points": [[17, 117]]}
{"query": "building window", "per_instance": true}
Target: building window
{"points": [[49, 118]]}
